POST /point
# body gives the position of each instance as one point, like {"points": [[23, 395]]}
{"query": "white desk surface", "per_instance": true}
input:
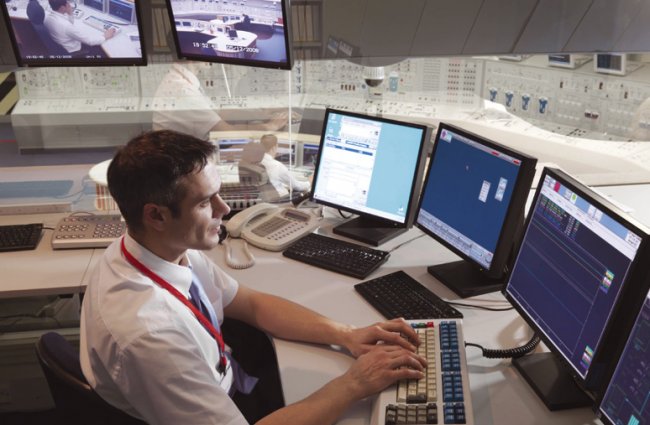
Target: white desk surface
{"points": [[499, 395]]}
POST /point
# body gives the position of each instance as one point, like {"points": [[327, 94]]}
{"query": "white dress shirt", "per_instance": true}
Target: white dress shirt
{"points": [[281, 178], [144, 351], [70, 34], [181, 105]]}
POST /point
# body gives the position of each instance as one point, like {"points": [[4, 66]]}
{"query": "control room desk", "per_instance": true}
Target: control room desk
{"points": [[499, 394]]}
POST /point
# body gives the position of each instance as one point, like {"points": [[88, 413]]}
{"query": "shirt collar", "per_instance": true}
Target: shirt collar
{"points": [[180, 277]]}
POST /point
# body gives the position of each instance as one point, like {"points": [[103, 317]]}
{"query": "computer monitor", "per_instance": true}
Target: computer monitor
{"points": [[286, 152], [230, 150], [473, 203], [372, 167], [625, 400], [254, 33], [581, 264], [309, 155], [37, 42], [122, 9]]}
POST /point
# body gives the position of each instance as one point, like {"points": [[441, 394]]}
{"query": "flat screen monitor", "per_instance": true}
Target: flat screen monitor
{"points": [[40, 35], [286, 153], [309, 155], [473, 203], [579, 267], [230, 150], [372, 167], [610, 63], [626, 399], [252, 33]]}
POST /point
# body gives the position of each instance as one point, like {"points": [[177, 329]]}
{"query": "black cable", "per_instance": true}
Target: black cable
{"points": [[343, 215], [481, 307], [508, 353]]}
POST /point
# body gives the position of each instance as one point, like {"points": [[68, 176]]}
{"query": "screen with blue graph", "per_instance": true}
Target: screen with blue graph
{"points": [[627, 399], [574, 261]]}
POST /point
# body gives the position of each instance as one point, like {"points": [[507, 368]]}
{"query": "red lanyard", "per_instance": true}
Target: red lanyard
{"points": [[165, 285]]}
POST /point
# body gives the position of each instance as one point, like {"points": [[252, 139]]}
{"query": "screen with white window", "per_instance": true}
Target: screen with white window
{"points": [[368, 165]]}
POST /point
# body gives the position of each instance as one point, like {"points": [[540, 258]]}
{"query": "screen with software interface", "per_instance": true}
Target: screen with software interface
{"points": [[467, 194], [368, 165], [572, 265], [627, 399]]}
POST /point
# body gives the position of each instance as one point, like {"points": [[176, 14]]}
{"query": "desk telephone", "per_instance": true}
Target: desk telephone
{"points": [[268, 227]]}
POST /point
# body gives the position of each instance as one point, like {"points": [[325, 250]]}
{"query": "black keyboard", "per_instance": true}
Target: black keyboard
{"points": [[399, 295], [17, 237], [336, 255]]}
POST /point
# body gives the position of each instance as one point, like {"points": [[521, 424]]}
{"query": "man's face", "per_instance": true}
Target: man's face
{"points": [[201, 211]]}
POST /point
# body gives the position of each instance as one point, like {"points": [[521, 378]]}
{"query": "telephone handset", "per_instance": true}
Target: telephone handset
{"points": [[269, 227]]}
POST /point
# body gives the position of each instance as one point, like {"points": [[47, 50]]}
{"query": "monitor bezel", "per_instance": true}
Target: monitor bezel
{"points": [[58, 62], [288, 44], [416, 180], [598, 406], [619, 320], [514, 218]]}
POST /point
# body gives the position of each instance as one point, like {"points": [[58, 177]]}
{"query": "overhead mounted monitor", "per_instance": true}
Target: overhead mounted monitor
{"points": [[252, 33], [567, 60], [473, 203], [68, 33], [370, 166], [580, 271]]}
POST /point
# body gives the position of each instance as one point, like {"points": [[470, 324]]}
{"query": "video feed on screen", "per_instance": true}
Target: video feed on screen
{"points": [[84, 32], [252, 33]]}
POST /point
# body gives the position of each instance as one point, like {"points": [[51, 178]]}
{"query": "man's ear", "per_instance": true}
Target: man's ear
{"points": [[155, 216]]}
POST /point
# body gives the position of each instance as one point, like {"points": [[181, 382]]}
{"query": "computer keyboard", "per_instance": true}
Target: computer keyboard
{"points": [[443, 395], [399, 295], [19, 237], [100, 24], [336, 255]]}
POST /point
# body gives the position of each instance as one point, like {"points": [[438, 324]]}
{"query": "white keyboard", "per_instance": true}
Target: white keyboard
{"points": [[443, 395], [100, 25]]}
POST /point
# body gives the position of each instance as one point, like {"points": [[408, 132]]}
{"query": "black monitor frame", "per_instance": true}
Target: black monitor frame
{"points": [[369, 228], [288, 44], [467, 277], [550, 375], [69, 60], [618, 367]]}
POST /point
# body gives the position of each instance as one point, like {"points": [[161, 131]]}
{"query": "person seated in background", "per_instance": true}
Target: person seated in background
{"points": [[151, 339], [279, 175], [64, 31], [195, 113]]}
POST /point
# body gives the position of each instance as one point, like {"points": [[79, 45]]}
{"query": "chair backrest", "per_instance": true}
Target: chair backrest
{"points": [[36, 16], [75, 400], [35, 12]]}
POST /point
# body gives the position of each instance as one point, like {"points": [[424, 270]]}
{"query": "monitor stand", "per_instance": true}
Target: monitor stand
{"points": [[551, 381], [367, 230], [465, 279]]}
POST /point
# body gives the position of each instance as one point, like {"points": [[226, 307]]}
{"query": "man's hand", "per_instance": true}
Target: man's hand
{"points": [[393, 332], [380, 367], [109, 33]]}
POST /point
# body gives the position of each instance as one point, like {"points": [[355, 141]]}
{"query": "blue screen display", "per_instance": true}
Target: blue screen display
{"points": [[467, 194], [572, 265], [627, 399]]}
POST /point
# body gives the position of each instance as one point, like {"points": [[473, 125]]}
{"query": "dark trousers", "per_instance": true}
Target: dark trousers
{"points": [[255, 354]]}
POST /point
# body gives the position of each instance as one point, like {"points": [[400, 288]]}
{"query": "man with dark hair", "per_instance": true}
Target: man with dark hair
{"points": [[61, 26], [151, 341]]}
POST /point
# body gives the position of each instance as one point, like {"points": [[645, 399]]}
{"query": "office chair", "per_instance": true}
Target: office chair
{"points": [[36, 16], [76, 402]]}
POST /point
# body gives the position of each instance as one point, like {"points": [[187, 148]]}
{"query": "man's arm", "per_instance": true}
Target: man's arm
{"points": [[288, 320], [370, 373]]}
